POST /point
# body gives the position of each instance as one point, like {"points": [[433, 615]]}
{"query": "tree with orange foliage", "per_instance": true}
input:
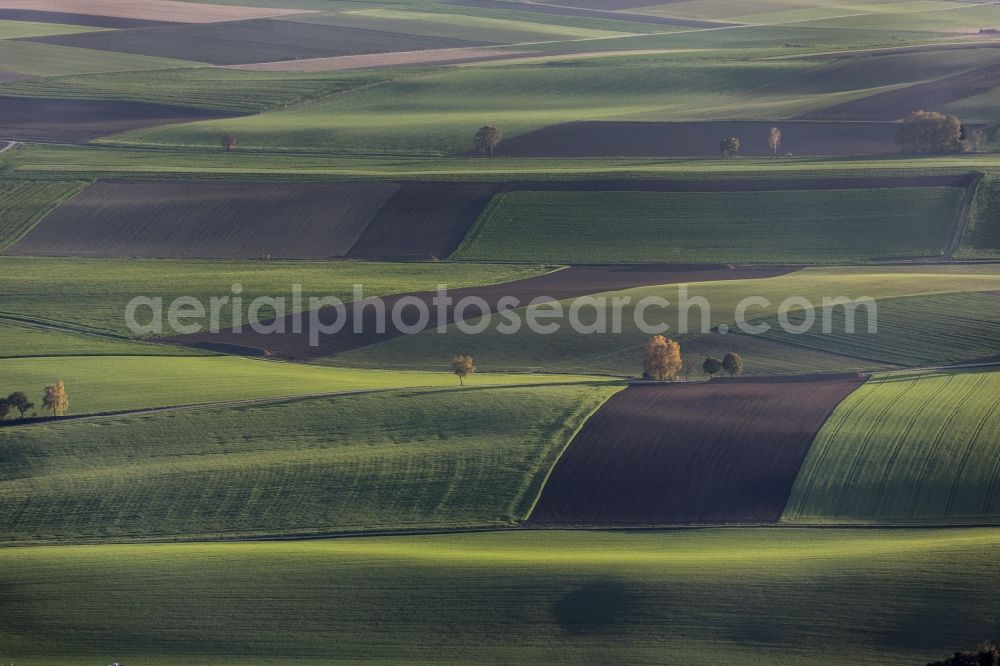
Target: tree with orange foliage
{"points": [[463, 366], [661, 358]]}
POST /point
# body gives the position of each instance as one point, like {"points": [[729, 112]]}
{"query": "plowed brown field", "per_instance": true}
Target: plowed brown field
{"points": [[713, 452]]}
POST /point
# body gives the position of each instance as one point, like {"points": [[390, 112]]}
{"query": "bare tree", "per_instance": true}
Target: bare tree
{"points": [[228, 142], [774, 140]]}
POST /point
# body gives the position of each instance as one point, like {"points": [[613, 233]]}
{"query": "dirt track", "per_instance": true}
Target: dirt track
{"points": [[711, 452], [71, 120], [567, 283]]}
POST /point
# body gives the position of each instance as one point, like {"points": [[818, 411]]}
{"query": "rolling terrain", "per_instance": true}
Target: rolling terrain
{"points": [[230, 495], [736, 595]]}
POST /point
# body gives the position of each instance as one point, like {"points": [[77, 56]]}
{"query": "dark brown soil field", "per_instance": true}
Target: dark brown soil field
{"points": [[589, 13], [426, 220], [768, 185], [31, 119], [187, 220], [672, 454], [895, 104], [566, 283], [701, 139], [263, 40], [67, 18], [611, 5]]}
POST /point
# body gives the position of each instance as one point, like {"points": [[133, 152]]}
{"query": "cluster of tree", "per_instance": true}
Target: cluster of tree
{"points": [[986, 655], [932, 132], [731, 363], [730, 146], [54, 399], [661, 360], [463, 365], [487, 139]]}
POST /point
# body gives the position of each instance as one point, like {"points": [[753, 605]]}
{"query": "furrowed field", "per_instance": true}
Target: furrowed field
{"points": [[431, 459], [818, 226], [907, 449], [401, 490]]}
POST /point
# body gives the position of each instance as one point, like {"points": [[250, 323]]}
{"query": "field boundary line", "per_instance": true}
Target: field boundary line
{"points": [[823, 449], [268, 400], [963, 218], [565, 448], [59, 202]]}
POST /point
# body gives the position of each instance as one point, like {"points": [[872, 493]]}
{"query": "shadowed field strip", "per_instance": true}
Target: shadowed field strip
{"points": [[566, 283], [734, 596]]}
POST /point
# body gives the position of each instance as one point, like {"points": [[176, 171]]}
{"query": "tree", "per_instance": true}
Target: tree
{"points": [[932, 132], [5, 408], [732, 363], [688, 369], [661, 358], [729, 147], [986, 655], [487, 139], [19, 401], [228, 142], [463, 366], [711, 366], [55, 398], [774, 140]]}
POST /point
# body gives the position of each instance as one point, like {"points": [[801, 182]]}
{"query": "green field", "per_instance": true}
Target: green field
{"points": [[439, 113], [711, 596], [432, 459], [120, 383], [484, 28], [94, 292], [907, 449], [917, 330], [19, 339], [51, 60], [17, 29], [216, 88], [23, 203], [568, 351], [706, 227]]}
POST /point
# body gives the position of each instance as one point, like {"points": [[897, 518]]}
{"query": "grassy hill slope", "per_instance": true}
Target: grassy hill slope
{"points": [[448, 458], [712, 596]]}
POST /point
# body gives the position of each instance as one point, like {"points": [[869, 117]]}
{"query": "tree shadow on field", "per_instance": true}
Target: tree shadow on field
{"points": [[605, 606]]}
